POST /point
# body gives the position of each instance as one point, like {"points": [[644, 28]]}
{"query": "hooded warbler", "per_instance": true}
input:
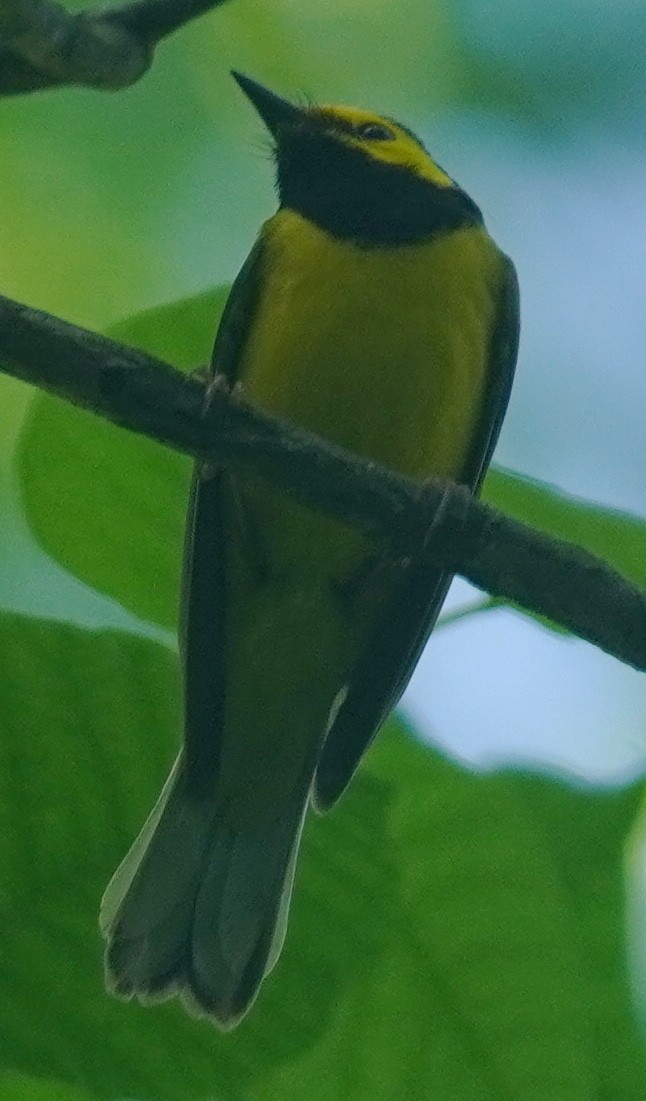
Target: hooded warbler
{"points": [[376, 311]]}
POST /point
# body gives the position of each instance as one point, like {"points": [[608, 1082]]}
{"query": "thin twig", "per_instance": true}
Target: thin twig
{"points": [[441, 522], [43, 45], [467, 611]]}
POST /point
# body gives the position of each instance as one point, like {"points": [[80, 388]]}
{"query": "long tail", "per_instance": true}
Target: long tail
{"points": [[199, 909]]}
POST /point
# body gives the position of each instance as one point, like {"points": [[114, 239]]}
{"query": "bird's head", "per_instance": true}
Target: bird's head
{"points": [[358, 175]]}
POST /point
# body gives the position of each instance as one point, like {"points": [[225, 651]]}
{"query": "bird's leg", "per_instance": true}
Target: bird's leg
{"points": [[216, 385]]}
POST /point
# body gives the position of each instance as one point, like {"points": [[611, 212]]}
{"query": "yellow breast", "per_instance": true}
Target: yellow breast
{"points": [[383, 351]]}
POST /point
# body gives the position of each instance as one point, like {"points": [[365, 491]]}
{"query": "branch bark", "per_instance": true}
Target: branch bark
{"points": [[439, 521], [43, 45]]}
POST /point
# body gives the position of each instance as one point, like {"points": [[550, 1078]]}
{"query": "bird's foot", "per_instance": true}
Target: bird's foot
{"points": [[216, 386]]}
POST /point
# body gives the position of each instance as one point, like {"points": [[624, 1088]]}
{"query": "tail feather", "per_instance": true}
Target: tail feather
{"points": [[199, 908]]}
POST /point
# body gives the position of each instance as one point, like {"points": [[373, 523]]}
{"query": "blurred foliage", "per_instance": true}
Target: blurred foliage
{"points": [[613, 535], [104, 477], [454, 936], [22, 1087], [126, 194]]}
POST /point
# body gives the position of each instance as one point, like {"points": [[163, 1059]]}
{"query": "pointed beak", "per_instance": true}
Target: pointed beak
{"points": [[274, 111]]}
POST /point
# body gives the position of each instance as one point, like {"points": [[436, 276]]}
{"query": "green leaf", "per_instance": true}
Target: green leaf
{"points": [[454, 937], [20, 1087], [15, 397], [615, 536], [89, 729], [180, 332], [110, 505], [505, 977]]}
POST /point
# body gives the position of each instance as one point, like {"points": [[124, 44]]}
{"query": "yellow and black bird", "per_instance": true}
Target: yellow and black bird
{"points": [[376, 311]]}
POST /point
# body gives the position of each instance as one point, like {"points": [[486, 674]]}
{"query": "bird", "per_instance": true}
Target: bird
{"points": [[375, 311]]}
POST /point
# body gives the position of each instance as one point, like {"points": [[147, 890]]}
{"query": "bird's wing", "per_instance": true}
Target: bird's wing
{"points": [[202, 610], [387, 663]]}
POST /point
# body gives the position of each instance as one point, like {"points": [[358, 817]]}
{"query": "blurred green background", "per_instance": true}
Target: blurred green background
{"points": [[111, 204]]}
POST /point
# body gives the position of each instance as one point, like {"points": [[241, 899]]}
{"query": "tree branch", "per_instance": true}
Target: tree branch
{"points": [[43, 45], [439, 521]]}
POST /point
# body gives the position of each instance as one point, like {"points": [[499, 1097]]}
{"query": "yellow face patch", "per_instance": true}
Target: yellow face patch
{"points": [[401, 149]]}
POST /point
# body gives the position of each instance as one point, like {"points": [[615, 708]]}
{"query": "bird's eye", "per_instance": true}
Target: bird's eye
{"points": [[372, 131]]}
